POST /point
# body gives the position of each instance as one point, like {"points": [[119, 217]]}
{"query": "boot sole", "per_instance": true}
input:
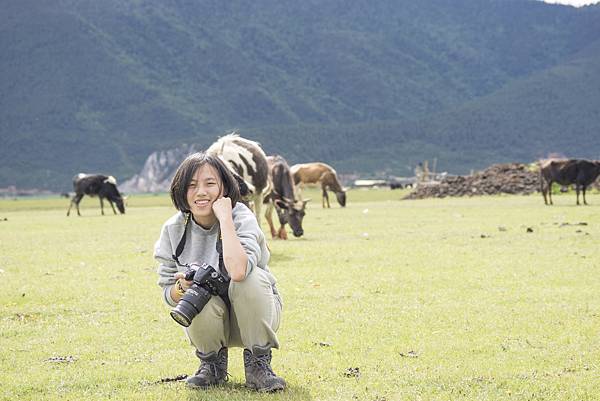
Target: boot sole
{"points": [[277, 387], [196, 386]]}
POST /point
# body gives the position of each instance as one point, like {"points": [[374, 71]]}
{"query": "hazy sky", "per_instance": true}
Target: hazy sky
{"points": [[576, 3]]}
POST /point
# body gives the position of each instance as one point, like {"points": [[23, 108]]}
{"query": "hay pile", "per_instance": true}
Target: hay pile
{"points": [[511, 178]]}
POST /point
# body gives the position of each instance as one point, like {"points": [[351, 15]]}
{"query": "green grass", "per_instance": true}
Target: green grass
{"points": [[439, 299]]}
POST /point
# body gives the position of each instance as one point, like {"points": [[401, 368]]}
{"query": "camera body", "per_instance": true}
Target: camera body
{"points": [[207, 282]]}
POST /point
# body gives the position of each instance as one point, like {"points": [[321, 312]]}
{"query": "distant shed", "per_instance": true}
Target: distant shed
{"points": [[369, 183]]}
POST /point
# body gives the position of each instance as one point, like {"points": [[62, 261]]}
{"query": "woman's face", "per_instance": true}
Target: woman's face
{"points": [[203, 190]]}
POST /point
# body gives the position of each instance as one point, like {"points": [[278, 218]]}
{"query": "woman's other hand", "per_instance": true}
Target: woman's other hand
{"points": [[222, 208], [184, 283]]}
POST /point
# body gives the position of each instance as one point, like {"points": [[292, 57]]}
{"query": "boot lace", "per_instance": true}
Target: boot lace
{"points": [[208, 368], [213, 369], [262, 364]]}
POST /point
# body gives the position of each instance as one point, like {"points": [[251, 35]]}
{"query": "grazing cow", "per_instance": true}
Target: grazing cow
{"points": [[284, 198], [247, 160], [312, 173], [565, 172], [105, 187]]}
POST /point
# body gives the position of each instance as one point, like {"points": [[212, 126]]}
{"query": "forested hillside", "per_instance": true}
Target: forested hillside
{"points": [[367, 86]]}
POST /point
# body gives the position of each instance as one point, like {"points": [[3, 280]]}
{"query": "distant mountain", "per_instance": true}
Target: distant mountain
{"points": [[367, 86]]}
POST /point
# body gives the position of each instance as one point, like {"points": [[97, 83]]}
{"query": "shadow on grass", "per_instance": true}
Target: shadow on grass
{"points": [[304, 238], [238, 391], [280, 257]]}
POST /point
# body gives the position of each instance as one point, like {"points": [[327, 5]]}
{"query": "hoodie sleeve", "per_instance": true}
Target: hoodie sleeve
{"points": [[163, 253], [251, 237]]}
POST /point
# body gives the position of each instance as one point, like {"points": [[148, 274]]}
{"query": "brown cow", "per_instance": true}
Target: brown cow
{"points": [[565, 172], [313, 173]]}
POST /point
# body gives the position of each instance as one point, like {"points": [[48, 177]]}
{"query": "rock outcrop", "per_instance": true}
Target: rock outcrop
{"points": [[158, 170]]}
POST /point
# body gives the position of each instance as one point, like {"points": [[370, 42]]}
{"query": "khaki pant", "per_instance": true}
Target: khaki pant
{"points": [[252, 321]]}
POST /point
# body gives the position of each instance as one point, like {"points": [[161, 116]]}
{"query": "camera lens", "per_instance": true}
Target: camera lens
{"points": [[183, 314], [192, 302]]}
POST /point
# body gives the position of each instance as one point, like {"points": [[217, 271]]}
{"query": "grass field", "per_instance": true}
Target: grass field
{"points": [[487, 298]]}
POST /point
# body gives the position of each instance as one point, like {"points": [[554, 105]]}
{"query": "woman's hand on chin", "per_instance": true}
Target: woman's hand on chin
{"points": [[222, 208]]}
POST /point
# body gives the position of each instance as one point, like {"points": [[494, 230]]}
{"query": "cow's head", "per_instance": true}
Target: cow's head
{"points": [[113, 194], [292, 213], [341, 198]]}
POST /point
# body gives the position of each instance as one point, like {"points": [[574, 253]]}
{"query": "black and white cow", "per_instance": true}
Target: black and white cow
{"points": [[284, 198], [247, 160], [103, 186]]}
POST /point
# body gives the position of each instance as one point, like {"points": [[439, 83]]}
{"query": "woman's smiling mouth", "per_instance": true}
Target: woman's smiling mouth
{"points": [[202, 202]]}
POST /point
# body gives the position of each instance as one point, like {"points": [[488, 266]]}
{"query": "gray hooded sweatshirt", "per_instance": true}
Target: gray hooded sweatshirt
{"points": [[200, 246]]}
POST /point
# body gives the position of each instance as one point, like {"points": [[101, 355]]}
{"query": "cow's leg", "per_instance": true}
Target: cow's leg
{"points": [[113, 206], [544, 195], [77, 204], [325, 198], [79, 197], [70, 206], [269, 217], [550, 192], [282, 232], [258, 200], [101, 205], [580, 188], [75, 200], [543, 188]]}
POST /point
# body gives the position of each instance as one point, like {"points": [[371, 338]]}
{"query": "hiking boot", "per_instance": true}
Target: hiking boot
{"points": [[212, 370], [259, 374]]}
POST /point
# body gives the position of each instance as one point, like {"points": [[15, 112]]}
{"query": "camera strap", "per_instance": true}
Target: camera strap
{"points": [[218, 246], [181, 245]]}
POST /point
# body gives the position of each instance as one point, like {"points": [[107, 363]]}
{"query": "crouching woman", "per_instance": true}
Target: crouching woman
{"points": [[213, 227]]}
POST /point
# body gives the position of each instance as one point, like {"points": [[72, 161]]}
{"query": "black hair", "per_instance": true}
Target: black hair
{"points": [[185, 172]]}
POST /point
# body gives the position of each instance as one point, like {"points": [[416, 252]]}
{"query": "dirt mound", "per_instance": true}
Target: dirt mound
{"points": [[511, 178]]}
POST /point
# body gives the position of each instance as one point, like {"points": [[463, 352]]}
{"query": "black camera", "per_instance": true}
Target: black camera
{"points": [[207, 282]]}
